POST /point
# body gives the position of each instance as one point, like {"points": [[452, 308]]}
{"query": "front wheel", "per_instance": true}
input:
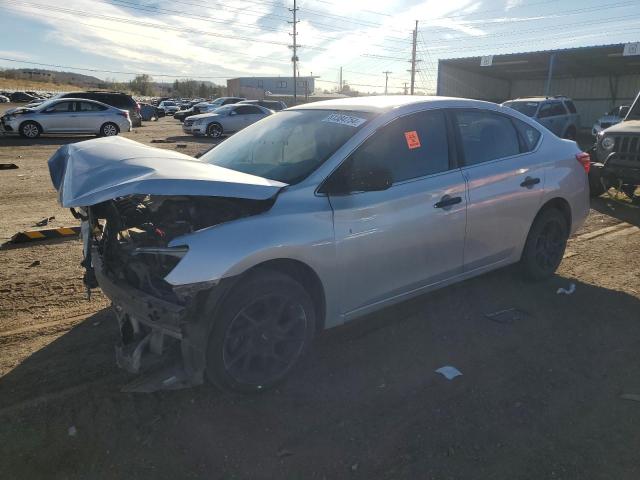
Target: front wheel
{"points": [[109, 129], [262, 330], [30, 130], [214, 130], [545, 245]]}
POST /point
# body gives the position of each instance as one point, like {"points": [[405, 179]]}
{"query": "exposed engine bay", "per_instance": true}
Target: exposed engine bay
{"points": [[132, 233]]}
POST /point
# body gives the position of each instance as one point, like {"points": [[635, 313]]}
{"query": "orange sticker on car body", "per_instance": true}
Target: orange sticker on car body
{"points": [[413, 141]]}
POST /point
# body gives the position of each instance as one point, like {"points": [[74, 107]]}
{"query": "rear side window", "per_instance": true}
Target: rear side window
{"points": [[90, 107], [486, 136], [570, 106], [529, 135], [248, 110], [558, 109], [410, 147]]}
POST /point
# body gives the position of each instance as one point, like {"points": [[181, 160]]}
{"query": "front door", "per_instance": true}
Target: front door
{"points": [[398, 240], [505, 184], [58, 118]]}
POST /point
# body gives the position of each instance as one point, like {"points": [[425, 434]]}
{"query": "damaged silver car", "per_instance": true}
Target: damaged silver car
{"points": [[225, 267]]}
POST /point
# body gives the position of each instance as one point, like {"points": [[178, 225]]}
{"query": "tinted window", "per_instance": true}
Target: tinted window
{"points": [[545, 110], [61, 107], [90, 107], [486, 136], [527, 108], [528, 134], [249, 110], [570, 106], [410, 147], [557, 109]]}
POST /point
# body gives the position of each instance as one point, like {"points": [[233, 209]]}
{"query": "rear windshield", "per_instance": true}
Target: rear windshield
{"points": [[289, 146], [527, 108]]}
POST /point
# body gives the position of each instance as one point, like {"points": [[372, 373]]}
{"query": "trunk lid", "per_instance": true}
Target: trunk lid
{"points": [[90, 172]]}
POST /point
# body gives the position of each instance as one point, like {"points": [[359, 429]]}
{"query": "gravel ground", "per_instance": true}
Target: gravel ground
{"points": [[541, 397]]}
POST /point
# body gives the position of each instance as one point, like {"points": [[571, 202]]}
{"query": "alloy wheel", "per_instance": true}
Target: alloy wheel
{"points": [[30, 130], [549, 246]]}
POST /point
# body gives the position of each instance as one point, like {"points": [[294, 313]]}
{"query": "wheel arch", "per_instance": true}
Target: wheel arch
{"points": [[560, 204], [31, 121]]}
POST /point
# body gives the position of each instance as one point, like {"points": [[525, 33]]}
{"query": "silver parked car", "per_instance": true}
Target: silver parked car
{"points": [[67, 115], [224, 120], [169, 107], [310, 218], [558, 113]]}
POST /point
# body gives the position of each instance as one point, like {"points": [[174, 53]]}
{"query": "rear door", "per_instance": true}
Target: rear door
{"points": [[251, 114], [553, 116], [505, 182], [393, 242], [59, 118], [236, 119], [90, 116]]}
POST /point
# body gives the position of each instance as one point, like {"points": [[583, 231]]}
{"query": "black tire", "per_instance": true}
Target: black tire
{"points": [[214, 130], [30, 129], [596, 187], [109, 129], [545, 245], [261, 331]]}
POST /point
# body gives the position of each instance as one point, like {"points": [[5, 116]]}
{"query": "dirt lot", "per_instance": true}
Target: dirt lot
{"points": [[540, 397]]}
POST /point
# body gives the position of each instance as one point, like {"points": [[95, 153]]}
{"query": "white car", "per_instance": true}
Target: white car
{"points": [[67, 115], [4, 99], [228, 119], [169, 107], [230, 264]]}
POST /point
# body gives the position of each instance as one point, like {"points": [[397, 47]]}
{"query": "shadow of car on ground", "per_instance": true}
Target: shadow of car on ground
{"points": [[538, 395]]}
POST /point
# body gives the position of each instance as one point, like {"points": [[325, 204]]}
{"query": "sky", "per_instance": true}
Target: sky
{"points": [[219, 39]]}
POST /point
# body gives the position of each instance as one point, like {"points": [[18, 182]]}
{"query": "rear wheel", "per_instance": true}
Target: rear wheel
{"points": [[596, 187], [214, 130], [263, 328], [109, 129], [30, 130], [545, 244]]}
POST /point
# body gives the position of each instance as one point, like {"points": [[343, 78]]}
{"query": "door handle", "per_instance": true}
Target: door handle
{"points": [[447, 201], [529, 182]]}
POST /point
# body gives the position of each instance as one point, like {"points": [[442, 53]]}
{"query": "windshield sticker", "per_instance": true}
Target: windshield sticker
{"points": [[413, 141], [345, 120]]}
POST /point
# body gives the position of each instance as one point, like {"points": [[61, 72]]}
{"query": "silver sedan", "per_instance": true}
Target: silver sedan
{"points": [[224, 120], [310, 218], [67, 115]]}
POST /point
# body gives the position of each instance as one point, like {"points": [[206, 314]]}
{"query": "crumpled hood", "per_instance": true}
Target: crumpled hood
{"points": [[18, 110], [94, 171], [630, 126]]}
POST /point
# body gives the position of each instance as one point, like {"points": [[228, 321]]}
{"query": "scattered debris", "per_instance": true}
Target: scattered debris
{"points": [[8, 166], [34, 264], [44, 221], [162, 140], [283, 452], [72, 431], [509, 315], [570, 254], [565, 291], [449, 372], [631, 396], [181, 145], [354, 467]]}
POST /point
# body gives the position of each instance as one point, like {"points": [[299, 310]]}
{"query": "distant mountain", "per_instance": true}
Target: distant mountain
{"points": [[38, 74]]}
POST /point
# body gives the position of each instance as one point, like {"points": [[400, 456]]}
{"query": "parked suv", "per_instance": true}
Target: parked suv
{"points": [[617, 156], [115, 99], [613, 117], [558, 114], [230, 264]]}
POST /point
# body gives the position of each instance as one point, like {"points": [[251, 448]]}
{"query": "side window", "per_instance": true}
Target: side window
{"points": [[410, 147], [61, 107], [247, 110], [558, 109], [528, 134], [486, 136], [90, 107], [545, 110], [570, 106]]}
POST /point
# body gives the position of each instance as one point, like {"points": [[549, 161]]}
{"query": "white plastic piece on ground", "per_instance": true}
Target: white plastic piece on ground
{"points": [[72, 431], [567, 291], [449, 372]]}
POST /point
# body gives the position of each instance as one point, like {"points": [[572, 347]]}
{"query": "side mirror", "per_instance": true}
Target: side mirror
{"points": [[350, 180]]}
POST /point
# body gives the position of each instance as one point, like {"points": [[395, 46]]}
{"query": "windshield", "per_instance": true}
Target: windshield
{"points": [[527, 108], [168, 104], [289, 146], [44, 105]]}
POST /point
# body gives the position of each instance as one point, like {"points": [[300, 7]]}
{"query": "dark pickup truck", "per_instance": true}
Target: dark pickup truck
{"points": [[617, 156]]}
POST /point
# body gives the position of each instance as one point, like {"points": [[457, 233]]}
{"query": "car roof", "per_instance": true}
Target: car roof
{"points": [[72, 99], [539, 99], [383, 103]]}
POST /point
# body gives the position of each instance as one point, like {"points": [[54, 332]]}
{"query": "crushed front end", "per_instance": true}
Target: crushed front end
{"points": [[163, 328]]}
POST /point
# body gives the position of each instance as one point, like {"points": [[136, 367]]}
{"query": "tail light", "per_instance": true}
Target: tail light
{"points": [[585, 160], [137, 107], [124, 113]]}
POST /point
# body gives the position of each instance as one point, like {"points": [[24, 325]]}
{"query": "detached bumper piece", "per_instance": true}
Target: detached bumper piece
{"points": [[153, 343]]}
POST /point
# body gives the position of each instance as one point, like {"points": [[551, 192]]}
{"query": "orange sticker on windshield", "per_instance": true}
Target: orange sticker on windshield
{"points": [[413, 141]]}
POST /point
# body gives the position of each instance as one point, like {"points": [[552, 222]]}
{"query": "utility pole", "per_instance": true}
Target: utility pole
{"points": [[405, 88], [386, 80], [340, 91], [413, 58], [294, 59]]}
